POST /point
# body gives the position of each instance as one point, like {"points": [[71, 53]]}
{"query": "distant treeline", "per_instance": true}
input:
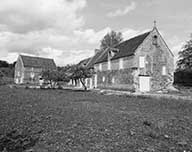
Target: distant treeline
{"points": [[7, 69], [183, 78], [5, 64]]}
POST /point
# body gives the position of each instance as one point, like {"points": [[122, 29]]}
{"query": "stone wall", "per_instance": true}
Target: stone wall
{"points": [[157, 55], [116, 79], [23, 74], [18, 71], [127, 63], [115, 65], [27, 75]]}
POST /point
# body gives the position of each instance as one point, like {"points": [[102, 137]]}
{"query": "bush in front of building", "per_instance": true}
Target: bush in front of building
{"points": [[183, 78]]}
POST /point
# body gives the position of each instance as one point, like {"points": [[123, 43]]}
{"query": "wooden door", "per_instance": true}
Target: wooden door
{"points": [[144, 83]]}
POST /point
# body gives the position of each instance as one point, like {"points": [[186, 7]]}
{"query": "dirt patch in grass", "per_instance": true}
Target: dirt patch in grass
{"points": [[66, 120]]}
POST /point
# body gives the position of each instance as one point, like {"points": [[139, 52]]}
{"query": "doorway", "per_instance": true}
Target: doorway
{"points": [[144, 83]]}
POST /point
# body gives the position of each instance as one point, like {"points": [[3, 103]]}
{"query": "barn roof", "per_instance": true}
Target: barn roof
{"points": [[84, 62], [94, 59], [38, 62], [126, 48]]}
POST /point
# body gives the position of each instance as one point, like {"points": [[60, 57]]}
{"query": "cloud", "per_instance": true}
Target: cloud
{"points": [[32, 25], [129, 33], [64, 49], [9, 57], [64, 57], [22, 16], [122, 12], [91, 36], [176, 45], [48, 28]]}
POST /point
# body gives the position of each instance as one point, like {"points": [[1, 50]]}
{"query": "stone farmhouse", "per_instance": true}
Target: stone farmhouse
{"points": [[143, 63], [28, 69]]}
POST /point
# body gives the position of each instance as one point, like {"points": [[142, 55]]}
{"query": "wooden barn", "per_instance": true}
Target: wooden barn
{"points": [[28, 69]]}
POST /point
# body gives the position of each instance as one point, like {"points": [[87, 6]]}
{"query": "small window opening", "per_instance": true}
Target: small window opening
{"points": [[155, 40], [103, 79], [164, 70]]}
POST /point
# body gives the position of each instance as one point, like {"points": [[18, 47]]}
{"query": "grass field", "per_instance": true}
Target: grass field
{"points": [[76, 121]]}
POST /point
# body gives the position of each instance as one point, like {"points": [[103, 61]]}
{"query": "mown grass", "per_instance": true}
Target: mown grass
{"points": [[79, 121]]}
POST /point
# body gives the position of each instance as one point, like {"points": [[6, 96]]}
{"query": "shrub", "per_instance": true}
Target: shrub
{"points": [[183, 78]]}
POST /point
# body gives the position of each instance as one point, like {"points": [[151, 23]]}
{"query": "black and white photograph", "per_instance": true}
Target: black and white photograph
{"points": [[95, 76]]}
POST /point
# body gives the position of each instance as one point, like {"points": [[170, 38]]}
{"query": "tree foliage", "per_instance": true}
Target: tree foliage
{"points": [[185, 57], [4, 63], [74, 72], [50, 76], [78, 72], [54, 76], [111, 39]]}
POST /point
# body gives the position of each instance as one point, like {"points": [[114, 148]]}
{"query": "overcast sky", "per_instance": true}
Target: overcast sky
{"points": [[70, 30]]}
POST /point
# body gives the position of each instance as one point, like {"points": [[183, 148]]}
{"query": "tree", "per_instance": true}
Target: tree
{"points": [[80, 73], [51, 76], [1, 77], [63, 74], [4, 64], [111, 39], [185, 57]]}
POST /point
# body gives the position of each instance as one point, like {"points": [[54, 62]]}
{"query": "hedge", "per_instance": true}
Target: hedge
{"points": [[183, 78]]}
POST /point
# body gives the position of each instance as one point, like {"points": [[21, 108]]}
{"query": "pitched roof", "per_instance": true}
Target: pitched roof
{"points": [[38, 62], [84, 62], [93, 60], [126, 48]]}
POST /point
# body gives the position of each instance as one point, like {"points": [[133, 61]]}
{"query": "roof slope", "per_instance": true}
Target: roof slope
{"points": [[38, 62], [84, 62], [93, 60], [126, 48]]}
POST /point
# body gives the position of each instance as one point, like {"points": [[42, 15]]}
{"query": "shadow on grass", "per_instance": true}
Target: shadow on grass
{"points": [[67, 89]]}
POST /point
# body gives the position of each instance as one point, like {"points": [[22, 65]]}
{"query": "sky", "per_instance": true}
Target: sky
{"points": [[70, 30]]}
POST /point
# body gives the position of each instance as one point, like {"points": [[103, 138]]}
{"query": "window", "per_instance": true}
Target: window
{"points": [[155, 40], [113, 80], [164, 70], [141, 61], [18, 74], [109, 65], [120, 63], [103, 79], [100, 67], [32, 74]]}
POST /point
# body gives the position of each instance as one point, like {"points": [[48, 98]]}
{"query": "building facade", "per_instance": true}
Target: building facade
{"points": [[143, 63], [28, 69]]}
